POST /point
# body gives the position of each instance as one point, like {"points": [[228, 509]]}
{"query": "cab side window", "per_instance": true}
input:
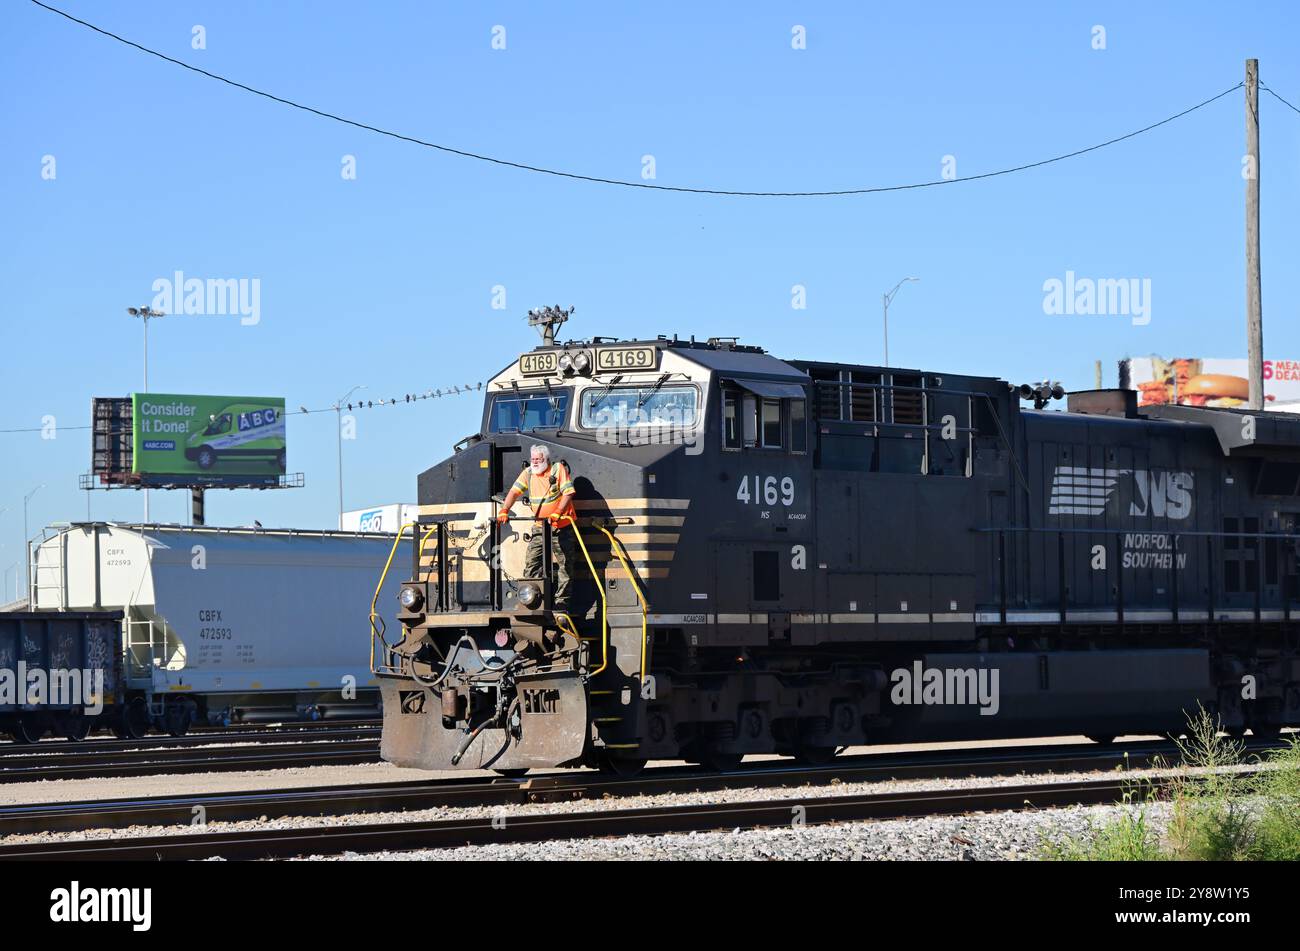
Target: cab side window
{"points": [[730, 419], [771, 430], [752, 422], [798, 426]]}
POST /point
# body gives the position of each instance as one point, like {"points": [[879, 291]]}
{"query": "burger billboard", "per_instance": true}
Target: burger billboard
{"points": [[1207, 381], [207, 440]]}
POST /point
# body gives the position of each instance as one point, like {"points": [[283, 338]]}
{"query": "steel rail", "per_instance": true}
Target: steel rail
{"points": [[130, 762], [51, 749]]}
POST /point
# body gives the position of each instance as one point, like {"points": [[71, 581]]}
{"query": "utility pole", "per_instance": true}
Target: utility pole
{"points": [[1254, 306], [1097, 375], [145, 314], [338, 422]]}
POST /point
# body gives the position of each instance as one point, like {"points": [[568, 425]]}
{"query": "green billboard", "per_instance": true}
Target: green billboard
{"points": [[207, 440]]}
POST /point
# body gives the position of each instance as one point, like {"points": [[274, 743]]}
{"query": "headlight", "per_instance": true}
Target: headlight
{"points": [[410, 598], [582, 362], [529, 595], [566, 363]]}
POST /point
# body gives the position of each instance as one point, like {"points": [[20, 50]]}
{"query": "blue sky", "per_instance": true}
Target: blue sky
{"points": [[387, 280]]}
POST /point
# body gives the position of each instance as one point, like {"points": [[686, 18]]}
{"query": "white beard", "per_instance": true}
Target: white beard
{"points": [[538, 469]]}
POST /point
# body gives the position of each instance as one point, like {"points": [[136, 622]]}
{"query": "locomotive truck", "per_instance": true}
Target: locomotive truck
{"points": [[795, 556]]}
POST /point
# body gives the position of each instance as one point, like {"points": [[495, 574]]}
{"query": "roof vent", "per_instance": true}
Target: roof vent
{"points": [[1104, 403]]}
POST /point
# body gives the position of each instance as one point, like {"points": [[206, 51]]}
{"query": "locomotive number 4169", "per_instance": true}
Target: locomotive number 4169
{"points": [[765, 490], [626, 358]]}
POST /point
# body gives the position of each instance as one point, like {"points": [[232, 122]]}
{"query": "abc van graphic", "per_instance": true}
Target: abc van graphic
{"points": [[1094, 491], [208, 439]]}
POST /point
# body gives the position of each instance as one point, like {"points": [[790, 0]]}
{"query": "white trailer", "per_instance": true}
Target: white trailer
{"points": [[388, 519], [220, 623]]}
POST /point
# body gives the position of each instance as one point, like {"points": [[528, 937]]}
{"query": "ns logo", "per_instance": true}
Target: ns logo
{"points": [[1082, 490], [1162, 494]]}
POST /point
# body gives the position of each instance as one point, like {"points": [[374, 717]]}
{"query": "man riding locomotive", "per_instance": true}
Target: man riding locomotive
{"points": [[548, 490]]}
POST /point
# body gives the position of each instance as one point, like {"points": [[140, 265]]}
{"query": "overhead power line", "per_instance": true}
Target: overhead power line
{"points": [[1279, 98], [649, 186], [405, 400]]}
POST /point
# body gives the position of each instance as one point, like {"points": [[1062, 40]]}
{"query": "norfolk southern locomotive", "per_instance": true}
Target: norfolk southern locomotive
{"points": [[796, 556]]}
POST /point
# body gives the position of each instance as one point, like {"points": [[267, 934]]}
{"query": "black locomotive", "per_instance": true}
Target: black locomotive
{"points": [[797, 556]]}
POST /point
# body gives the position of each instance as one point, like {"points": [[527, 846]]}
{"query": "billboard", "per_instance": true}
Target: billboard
{"points": [[207, 440], [1212, 382]]}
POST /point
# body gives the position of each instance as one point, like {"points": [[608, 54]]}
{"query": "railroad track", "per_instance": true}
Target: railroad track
{"points": [[56, 748], [407, 836], [563, 786], [243, 732], [129, 759]]}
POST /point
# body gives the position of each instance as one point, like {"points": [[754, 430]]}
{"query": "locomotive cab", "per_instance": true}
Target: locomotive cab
{"points": [[486, 672]]}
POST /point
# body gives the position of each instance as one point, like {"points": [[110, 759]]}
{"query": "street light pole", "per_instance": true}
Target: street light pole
{"points": [[26, 554], [338, 419], [145, 314], [887, 299]]}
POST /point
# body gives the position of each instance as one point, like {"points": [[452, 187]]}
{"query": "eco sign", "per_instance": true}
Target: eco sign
{"points": [[211, 440]]}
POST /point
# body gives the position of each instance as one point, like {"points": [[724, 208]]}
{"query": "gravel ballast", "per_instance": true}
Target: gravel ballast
{"points": [[1011, 836]]}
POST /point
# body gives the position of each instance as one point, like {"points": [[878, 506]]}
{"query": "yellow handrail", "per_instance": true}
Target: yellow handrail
{"points": [[375, 632], [566, 625], [616, 547], [433, 528], [604, 625]]}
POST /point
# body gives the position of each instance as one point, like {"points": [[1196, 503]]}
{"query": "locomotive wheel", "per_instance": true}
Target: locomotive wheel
{"points": [[624, 767], [74, 726], [815, 755], [1101, 739], [721, 762], [28, 729]]}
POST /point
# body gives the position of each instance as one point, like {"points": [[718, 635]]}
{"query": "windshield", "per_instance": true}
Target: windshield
{"points": [[520, 412], [646, 405]]}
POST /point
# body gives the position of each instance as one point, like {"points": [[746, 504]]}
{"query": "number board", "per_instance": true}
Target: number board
{"points": [[539, 363], [627, 358]]}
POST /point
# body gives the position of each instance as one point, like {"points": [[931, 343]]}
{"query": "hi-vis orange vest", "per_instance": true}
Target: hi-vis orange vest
{"points": [[543, 491]]}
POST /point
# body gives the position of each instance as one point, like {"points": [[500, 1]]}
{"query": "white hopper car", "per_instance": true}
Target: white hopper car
{"points": [[224, 624]]}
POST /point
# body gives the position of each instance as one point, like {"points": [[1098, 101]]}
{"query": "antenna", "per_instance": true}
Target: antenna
{"points": [[549, 320]]}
